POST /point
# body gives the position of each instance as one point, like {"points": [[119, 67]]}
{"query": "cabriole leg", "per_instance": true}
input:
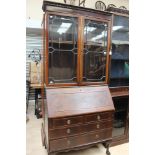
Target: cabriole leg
{"points": [[107, 151], [107, 144]]}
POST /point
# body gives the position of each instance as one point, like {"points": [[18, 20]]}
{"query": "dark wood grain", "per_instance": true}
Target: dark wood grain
{"points": [[78, 129], [119, 91], [80, 60], [65, 101], [108, 51], [77, 141], [64, 121], [72, 8], [99, 116], [46, 48], [77, 117]]}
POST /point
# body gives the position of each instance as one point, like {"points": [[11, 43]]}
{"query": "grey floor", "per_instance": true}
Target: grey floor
{"points": [[34, 144]]}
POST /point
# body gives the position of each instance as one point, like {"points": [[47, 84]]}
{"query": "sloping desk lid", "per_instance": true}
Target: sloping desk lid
{"points": [[78, 101]]}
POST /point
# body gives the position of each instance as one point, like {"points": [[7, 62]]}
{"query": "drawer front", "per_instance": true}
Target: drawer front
{"points": [[85, 139], [66, 121], [69, 131], [98, 117], [98, 126], [65, 132]]}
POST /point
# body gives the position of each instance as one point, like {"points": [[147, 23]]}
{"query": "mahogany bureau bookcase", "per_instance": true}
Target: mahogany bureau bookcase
{"points": [[77, 104]]}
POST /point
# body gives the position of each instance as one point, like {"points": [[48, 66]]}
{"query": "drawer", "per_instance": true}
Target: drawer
{"points": [[65, 132], [84, 139], [98, 126], [66, 121], [98, 117], [69, 131]]}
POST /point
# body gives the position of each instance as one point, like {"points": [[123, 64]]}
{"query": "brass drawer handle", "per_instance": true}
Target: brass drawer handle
{"points": [[98, 126], [98, 117], [68, 121], [68, 131], [68, 142], [97, 136]]}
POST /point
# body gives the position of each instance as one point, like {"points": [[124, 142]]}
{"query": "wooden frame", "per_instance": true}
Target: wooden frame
{"points": [[107, 56], [57, 84], [80, 49]]}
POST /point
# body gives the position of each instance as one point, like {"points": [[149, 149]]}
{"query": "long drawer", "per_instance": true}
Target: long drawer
{"points": [[68, 121], [69, 131], [55, 123], [83, 139]]}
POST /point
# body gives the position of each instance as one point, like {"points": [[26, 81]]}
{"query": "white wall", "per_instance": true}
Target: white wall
{"points": [[34, 11]]}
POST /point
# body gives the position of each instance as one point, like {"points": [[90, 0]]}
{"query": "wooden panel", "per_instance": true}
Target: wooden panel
{"points": [[119, 91], [78, 101], [71, 9], [99, 116], [70, 131], [67, 121], [85, 139], [108, 51], [46, 49]]}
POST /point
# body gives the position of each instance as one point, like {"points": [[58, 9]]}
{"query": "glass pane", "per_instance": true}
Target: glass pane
{"points": [[121, 109], [95, 49], [119, 75], [62, 49]]}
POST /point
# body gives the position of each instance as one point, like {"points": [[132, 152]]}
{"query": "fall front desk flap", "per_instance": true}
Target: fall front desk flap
{"points": [[78, 101]]}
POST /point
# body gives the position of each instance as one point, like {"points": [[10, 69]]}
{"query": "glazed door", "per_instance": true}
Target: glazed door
{"points": [[95, 51], [62, 49], [77, 50]]}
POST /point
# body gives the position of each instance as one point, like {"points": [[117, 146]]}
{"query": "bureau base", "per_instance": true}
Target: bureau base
{"points": [[77, 118], [44, 143]]}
